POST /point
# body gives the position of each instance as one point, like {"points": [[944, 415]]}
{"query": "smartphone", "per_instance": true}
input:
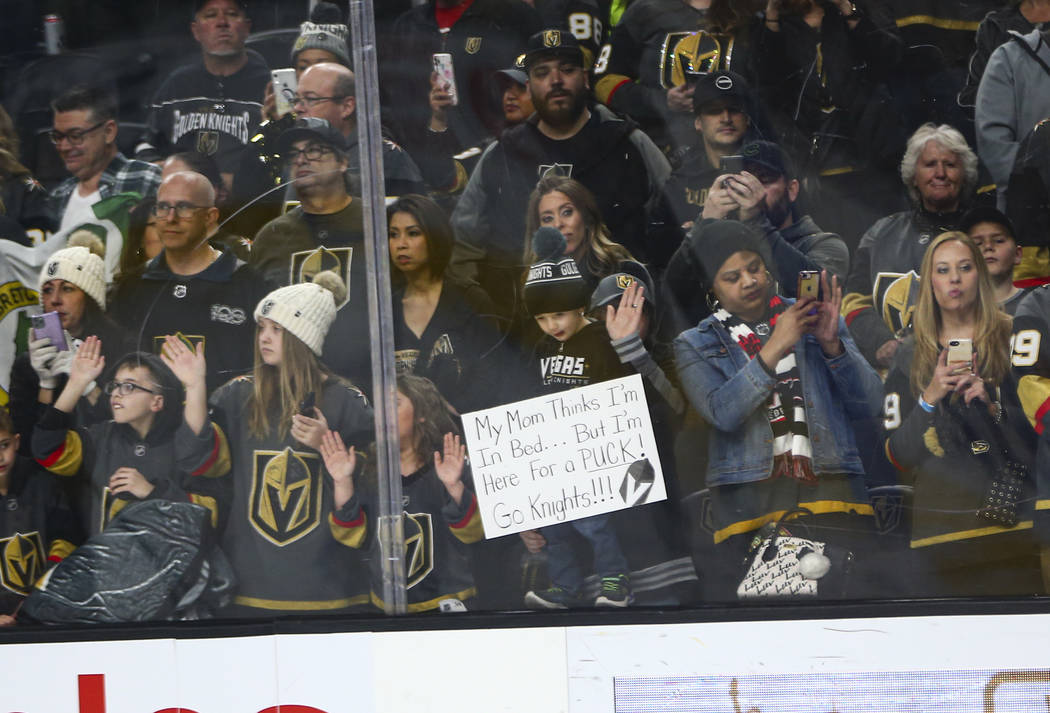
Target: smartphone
{"points": [[284, 87], [446, 77], [960, 350], [306, 407], [731, 164], [809, 285], [50, 325]]}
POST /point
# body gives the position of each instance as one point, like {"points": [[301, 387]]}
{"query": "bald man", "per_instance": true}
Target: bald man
{"points": [[327, 91], [191, 288]]}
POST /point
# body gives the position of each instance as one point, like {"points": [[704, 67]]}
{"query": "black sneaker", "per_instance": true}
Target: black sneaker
{"points": [[615, 592], [554, 597]]}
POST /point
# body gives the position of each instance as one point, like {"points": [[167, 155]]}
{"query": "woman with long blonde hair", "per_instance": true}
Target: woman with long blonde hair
{"points": [[294, 530], [959, 435]]}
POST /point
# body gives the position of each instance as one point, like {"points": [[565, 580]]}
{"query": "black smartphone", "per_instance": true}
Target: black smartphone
{"points": [[306, 406], [731, 164]]}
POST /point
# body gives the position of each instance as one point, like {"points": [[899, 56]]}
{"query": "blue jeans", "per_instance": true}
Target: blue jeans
{"points": [[561, 560]]}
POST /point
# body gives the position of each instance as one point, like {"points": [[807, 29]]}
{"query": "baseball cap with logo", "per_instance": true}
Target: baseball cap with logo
{"points": [[311, 127], [720, 85], [766, 159], [549, 43]]}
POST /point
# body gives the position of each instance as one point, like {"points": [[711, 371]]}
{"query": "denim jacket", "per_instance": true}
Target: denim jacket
{"points": [[731, 391]]}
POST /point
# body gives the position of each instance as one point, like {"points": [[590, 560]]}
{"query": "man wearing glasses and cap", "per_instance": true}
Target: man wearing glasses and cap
{"points": [[85, 136]]}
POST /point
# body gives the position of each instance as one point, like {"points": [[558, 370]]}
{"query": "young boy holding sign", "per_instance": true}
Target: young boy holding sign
{"points": [[575, 351]]}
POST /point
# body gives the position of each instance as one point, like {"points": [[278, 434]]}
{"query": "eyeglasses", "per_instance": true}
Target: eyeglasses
{"points": [[76, 136], [183, 210], [311, 101], [125, 388], [312, 153]]}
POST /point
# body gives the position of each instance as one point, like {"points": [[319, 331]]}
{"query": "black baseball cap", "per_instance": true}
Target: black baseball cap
{"points": [[311, 127], [722, 84], [987, 214], [514, 74], [198, 4], [766, 158], [552, 42]]}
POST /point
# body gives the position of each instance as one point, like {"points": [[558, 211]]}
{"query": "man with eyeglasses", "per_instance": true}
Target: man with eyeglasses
{"points": [[192, 289], [84, 132], [325, 232], [211, 106]]}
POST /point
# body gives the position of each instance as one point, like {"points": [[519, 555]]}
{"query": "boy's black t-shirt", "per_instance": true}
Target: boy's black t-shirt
{"points": [[586, 357]]}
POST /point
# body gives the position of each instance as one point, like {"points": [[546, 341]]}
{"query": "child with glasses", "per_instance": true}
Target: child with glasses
{"points": [[159, 443]]}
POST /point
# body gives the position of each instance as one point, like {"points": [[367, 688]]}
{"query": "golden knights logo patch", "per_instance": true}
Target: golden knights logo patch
{"points": [[687, 55], [23, 561], [285, 502], [895, 296], [308, 263], [624, 281], [552, 38], [419, 547], [112, 504], [208, 142], [472, 45]]}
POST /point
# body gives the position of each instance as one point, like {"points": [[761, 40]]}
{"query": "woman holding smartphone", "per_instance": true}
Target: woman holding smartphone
{"points": [[959, 435], [779, 382]]}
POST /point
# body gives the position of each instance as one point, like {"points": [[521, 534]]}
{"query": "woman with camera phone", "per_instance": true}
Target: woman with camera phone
{"points": [[958, 434]]}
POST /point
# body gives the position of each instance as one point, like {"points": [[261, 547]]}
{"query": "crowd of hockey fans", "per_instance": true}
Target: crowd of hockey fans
{"points": [[819, 230]]}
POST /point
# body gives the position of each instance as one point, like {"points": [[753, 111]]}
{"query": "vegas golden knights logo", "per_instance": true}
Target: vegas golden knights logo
{"points": [[473, 45], [23, 561], [551, 38], [308, 263], [207, 142], [190, 340], [624, 281], [687, 55], [112, 504], [419, 547], [285, 502], [895, 296]]}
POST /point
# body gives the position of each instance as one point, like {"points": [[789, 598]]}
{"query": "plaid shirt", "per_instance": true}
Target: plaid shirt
{"points": [[121, 175]]}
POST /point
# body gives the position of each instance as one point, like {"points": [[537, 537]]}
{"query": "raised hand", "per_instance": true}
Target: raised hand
{"points": [[826, 329], [187, 364], [340, 463], [624, 320], [129, 480], [946, 378], [720, 201], [791, 324], [310, 431], [88, 363], [748, 192], [449, 466]]}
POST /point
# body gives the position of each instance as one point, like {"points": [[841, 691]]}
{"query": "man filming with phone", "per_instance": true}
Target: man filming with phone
{"points": [[759, 188]]}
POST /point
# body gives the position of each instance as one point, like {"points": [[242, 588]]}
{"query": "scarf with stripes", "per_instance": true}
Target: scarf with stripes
{"points": [[792, 452]]}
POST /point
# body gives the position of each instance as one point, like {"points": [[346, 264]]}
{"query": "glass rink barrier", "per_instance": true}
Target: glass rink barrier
{"points": [[332, 319]]}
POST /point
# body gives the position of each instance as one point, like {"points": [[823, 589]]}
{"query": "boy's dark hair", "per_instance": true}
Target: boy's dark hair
{"points": [[100, 102], [7, 424], [170, 415]]}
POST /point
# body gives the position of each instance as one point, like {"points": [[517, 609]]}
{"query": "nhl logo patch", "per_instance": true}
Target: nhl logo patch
{"points": [[624, 281], [472, 45], [52, 268], [552, 38], [140, 450], [179, 291], [267, 307]]}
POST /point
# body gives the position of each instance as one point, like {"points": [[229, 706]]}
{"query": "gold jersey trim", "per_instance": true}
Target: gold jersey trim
{"points": [[297, 605], [819, 507], [969, 534], [430, 603]]}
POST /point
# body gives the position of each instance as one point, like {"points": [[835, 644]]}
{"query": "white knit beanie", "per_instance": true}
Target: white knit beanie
{"points": [[79, 266], [306, 310]]}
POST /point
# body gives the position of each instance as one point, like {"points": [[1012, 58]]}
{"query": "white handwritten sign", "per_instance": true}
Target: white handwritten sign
{"points": [[551, 459]]}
